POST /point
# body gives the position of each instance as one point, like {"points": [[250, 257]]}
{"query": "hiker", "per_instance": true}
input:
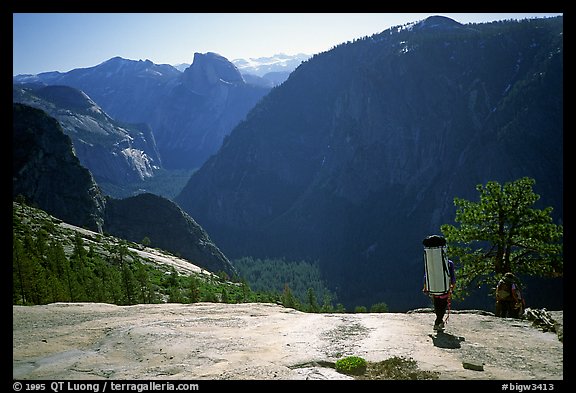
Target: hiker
{"points": [[509, 301], [440, 301], [439, 277]]}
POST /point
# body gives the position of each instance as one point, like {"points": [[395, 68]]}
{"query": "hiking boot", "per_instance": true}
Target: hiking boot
{"points": [[439, 326]]}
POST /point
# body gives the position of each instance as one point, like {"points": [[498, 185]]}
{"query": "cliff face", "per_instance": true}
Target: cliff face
{"points": [[200, 109], [48, 174], [113, 152], [209, 71], [359, 154]]}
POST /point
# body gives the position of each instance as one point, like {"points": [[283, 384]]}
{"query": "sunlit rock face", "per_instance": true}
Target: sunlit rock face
{"points": [[208, 71], [114, 152]]}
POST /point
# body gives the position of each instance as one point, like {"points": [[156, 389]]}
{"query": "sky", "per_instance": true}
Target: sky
{"points": [[45, 42]]}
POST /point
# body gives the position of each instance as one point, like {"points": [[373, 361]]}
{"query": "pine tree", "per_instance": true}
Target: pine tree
{"points": [[113, 281], [312, 302], [20, 273], [143, 279], [288, 299], [224, 296], [501, 233], [57, 261], [193, 290], [129, 285]]}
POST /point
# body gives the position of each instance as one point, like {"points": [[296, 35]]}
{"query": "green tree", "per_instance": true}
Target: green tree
{"points": [[288, 299], [113, 281], [193, 290], [327, 306], [312, 302], [173, 284], [503, 233], [146, 290], [146, 241], [97, 288], [272, 275], [224, 298], [172, 278], [21, 272], [57, 261], [80, 273], [379, 307], [130, 285], [174, 295]]}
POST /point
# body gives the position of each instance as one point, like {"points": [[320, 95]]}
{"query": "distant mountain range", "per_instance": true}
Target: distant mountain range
{"points": [[189, 112], [263, 65], [188, 109]]}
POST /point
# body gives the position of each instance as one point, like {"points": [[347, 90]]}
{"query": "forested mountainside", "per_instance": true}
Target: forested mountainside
{"points": [[359, 154], [54, 261]]}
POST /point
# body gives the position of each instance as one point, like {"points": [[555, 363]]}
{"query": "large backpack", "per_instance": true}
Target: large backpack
{"points": [[436, 265], [504, 291]]}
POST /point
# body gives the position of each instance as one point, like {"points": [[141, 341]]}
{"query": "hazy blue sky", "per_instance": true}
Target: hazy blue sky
{"points": [[64, 41]]}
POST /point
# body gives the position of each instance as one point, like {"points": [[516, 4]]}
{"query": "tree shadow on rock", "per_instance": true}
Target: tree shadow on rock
{"points": [[445, 340]]}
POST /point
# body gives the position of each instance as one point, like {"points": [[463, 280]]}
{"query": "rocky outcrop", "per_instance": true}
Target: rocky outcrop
{"points": [[257, 341], [208, 71], [114, 153]]}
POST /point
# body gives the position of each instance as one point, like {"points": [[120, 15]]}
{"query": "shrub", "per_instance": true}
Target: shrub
{"points": [[397, 368], [379, 307], [351, 365]]}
